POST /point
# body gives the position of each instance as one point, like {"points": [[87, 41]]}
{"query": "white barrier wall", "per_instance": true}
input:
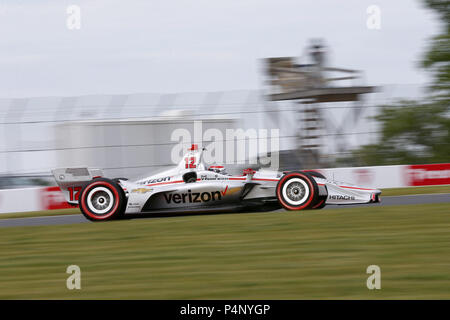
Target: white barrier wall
{"points": [[371, 177], [392, 176], [49, 198], [32, 199], [20, 200]]}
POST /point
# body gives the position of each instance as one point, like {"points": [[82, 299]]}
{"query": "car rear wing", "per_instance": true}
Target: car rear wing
{"points": [[71, 180]]}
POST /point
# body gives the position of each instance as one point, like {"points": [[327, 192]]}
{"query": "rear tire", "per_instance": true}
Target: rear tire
{"points": [[102, 199], [297, 191]]}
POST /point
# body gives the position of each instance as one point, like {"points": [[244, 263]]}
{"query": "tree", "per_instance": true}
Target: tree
{"points": [[437, 58], [411, 133], [418, 131]]}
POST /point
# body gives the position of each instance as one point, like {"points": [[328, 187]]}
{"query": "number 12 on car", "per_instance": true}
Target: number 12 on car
{"points": [[190, 163]]}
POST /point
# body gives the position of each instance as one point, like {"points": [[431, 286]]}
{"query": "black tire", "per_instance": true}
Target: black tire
{"points": [[297, 190], [102, 199], [316, 174], [320, 204]]}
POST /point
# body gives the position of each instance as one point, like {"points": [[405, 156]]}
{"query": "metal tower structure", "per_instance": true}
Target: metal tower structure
{"points": [[311, 86]]}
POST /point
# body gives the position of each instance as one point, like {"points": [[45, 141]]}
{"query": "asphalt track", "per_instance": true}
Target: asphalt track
{"points": [[78, 218]]}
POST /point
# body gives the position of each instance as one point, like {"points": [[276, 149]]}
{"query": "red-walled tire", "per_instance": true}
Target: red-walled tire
{"points": [[320, 203], [102, 199], [297, 191]]}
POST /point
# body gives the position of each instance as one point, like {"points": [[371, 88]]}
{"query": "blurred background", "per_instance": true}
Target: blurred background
{"points": [[358, 89], [105, 83]]}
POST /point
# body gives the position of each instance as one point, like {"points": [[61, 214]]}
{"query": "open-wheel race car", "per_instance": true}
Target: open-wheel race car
{"points": [[191, 186]]}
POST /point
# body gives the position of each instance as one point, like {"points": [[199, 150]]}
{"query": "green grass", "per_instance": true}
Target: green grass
{"points": [[286, 255], [415, 190], [39, 213]]}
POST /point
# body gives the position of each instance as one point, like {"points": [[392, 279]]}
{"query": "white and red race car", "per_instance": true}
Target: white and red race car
{"points": [[193, 187]]}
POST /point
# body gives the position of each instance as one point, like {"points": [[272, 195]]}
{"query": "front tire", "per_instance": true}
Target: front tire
{"points": [[316, 174], [297, 191], [320, 204], [102, 199]]}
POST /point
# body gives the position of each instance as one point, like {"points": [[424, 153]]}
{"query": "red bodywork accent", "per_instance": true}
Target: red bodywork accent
{"points": [[194, 147], [248, 171], [346, 187]]}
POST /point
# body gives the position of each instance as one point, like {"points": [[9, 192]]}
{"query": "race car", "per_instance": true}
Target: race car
{"points": [[192, 186]]}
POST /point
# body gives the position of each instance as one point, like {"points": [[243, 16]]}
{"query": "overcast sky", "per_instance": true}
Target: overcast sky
{"points": [[198, 45]]}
